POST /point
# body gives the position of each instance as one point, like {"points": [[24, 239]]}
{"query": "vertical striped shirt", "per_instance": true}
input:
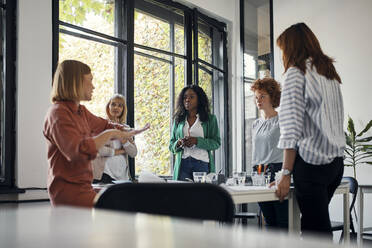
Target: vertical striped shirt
{"points": [[311, 116]]}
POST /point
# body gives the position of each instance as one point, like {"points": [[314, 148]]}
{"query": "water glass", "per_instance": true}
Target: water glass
{"points": [[258, 179], [254, 176], [199, 177], [278, 176], [239, 178]]}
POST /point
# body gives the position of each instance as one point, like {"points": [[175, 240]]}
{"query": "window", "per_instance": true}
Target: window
{"points": [[143, 49], [7, 91], [210, 63], [159, 76], [87, 34], [257, 60]]}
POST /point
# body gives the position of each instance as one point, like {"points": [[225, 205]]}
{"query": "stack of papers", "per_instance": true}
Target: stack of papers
{"points": [[148, 177], [248, 188]]}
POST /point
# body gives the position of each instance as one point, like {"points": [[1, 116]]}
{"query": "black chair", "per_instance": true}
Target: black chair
{"points": [[339, 226], [243, 216], [187, 200]]}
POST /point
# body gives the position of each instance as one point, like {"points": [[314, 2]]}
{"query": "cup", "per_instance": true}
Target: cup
{"points": [[239, 178], [199, 177], [278, 176], [254, 177], [261, 180]]}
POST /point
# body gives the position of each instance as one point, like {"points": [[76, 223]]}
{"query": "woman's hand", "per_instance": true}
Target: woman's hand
{"points": [[138, 131], [119, 151], [190, 141], [282, 188], [180, 143], [121, 135]]}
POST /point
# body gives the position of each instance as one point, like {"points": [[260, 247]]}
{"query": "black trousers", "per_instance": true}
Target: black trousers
{"points": [[274, 212], [314, 189]]}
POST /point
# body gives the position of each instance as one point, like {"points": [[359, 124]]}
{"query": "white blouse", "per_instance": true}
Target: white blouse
{"points": [[196, 130], [116, 166]]}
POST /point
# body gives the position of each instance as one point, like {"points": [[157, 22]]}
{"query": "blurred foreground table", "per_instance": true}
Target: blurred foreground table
{"points": [[43, 226]]}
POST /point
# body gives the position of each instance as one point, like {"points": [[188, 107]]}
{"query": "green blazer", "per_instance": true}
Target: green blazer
{"points": [[210, 142]]}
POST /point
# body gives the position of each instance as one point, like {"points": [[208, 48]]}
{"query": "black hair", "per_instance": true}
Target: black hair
{"points": [[203, 104]]}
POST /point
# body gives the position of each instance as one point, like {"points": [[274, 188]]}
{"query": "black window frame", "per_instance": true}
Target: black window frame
{"points": [[8, 146], [125, 9]]}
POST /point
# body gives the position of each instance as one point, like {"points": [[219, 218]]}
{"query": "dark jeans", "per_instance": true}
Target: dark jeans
{"points": [[314, 189], [190, 165], [104, 179], [274, 212]]}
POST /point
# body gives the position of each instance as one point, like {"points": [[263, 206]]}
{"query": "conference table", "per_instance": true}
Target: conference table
{"points": [[45, 226], [250, 194]]}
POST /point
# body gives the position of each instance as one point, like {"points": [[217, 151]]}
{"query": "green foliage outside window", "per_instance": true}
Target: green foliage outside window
{"points": [[151, 77]]}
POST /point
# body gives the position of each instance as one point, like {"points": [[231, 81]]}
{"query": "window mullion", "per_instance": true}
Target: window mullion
{"points": [[188, 46], [128, 67], [196, 46]]}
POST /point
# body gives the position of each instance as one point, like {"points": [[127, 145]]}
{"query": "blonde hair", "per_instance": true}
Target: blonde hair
{"points": [[123, 116], [68, 81]]}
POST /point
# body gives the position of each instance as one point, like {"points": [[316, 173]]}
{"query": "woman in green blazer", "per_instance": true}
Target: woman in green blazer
{"points": [[195, 134]]}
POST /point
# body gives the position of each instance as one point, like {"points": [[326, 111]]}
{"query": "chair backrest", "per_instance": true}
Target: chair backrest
{"points": [[353, 189], [188, 200]]}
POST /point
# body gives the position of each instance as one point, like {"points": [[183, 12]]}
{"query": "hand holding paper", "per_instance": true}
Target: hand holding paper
{"points": [[138, 131]]}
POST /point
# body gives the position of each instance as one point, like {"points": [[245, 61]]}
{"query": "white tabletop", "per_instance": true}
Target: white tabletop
{"points": [[43, 226]]}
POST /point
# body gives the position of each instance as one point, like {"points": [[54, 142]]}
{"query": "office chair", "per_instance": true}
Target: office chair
{"points": [[187, 200], [337, 225]]}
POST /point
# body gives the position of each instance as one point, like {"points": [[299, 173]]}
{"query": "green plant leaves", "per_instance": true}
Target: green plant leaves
{"points": [[351, 129], [357, 151], [369, 125]]}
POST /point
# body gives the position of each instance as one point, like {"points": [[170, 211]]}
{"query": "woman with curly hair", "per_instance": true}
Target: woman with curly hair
{"points": [[195, 134], [265, 138]]}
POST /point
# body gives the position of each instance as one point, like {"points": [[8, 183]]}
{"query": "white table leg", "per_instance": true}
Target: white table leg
{"points": [[346, 218], [360, 215], [294, 218]]}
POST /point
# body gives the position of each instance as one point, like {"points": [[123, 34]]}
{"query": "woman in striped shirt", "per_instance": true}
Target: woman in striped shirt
{"points": [[311, 120]]}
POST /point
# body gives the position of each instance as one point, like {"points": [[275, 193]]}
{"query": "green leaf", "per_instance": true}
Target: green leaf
{"points": [[367, 139], [350, 128], [348, 152], [368, 126], [349, 141], [349, 165]]}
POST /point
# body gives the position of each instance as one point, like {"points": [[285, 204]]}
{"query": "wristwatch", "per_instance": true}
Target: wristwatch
{"points": [[286, 172]]}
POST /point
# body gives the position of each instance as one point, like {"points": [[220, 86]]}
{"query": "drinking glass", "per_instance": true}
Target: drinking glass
{"points": [[199, 177], [239, 178], [254, 177]]}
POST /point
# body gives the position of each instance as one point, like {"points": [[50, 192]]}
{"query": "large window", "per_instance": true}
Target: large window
{"points": [[144, 50], [256, 39], [7, 92], [159, 76]]}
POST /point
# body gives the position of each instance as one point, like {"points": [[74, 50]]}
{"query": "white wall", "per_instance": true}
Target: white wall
{"points": [[343, 28], [34, 73]]}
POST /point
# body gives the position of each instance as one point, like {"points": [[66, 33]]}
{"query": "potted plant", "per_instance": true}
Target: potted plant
{"points": [[358, 149]]}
